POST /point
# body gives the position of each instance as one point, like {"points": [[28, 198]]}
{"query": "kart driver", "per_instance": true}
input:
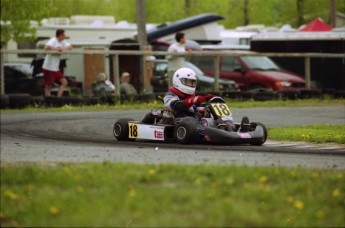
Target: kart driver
{"points": [[181, 96]]}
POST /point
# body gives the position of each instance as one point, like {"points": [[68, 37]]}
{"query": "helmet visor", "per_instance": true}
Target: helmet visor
{"points": [[188, 82]]}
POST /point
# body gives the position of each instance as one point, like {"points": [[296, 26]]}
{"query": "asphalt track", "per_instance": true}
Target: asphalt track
{"points": [[87, 136]]}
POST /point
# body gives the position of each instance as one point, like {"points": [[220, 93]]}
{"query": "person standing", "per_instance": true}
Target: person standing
{"points": [[125, 86], [51, 71], [176, 62]]}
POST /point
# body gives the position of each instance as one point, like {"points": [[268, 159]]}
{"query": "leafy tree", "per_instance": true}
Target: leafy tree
{"points": [[16, 16], [236, 12]]}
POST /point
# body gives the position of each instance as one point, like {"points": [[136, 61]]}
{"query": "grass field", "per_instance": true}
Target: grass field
{"points": [[315, 134], [129, 195]]}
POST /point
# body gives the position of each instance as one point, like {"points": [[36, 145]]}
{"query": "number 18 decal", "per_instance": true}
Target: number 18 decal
{"points": [[221, 110], [133, 130]]}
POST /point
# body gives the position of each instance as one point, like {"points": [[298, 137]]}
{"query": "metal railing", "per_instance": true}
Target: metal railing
{"points": [[215, 54]]}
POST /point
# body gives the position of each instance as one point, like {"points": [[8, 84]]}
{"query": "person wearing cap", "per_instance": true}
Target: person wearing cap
{"points": [[125, 86]]}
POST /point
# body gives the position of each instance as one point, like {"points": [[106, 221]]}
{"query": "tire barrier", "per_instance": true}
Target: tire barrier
{"points": [[16, 101], [5, 101]]}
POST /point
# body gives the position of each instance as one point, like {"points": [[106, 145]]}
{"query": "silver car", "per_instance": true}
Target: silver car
{"points": [[205, 83]]}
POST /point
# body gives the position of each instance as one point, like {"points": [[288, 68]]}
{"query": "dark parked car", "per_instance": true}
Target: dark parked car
{"points": [[249, 72], [205, 83], [19, 79]]}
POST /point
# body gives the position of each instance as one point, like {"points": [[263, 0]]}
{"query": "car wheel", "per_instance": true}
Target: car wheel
{"points": [[258, 142], [185, 132], [121, 130]]}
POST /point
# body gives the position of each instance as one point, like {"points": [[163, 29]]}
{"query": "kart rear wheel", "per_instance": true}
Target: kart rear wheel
{"points": [[258, 142], [121, 131], [185, 132]]}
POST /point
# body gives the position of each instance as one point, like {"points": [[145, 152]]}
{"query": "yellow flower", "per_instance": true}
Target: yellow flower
{"points": [[336, 192], [229, 181], [298, 204], [152, 171], [289, 199], [320, 214], [80, 189], [197, 181], [10, 194], [315, 175], [54, 210], [263, 179], [132, 192]]}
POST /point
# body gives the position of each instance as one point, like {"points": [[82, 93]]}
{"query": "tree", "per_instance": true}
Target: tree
{"points": [[16, 16]]}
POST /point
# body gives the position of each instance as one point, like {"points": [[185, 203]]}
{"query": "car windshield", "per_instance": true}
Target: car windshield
{"points": [[259, 63]]}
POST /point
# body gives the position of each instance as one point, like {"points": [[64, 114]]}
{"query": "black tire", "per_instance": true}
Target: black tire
{"points": [[4, 101], [38, 101], [20, 100], [258, 142], [185, 132], [53, 101], [121, 131], [73, 101]]}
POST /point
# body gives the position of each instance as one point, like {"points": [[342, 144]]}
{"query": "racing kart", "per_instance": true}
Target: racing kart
{"points": [[212, 122]]}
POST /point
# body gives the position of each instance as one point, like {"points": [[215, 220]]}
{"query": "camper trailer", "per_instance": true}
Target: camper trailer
{"points": [[96, 28]]}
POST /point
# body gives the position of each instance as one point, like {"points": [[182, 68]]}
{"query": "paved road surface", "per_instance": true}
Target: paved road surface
{"points": [[75, 137]]}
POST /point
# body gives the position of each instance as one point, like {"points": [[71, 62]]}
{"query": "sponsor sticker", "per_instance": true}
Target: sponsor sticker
{"points": [[244, 135], [144, 131], [158, 134]]}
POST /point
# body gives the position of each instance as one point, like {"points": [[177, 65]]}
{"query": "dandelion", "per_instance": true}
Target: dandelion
{"points": [[11, 195], [132, 192], [336, 192], [197, 181], [54, 210], [80, 189], [263, 179], [320, 214], [298, 204], [229, 181], [315, 175], [152, 171]]}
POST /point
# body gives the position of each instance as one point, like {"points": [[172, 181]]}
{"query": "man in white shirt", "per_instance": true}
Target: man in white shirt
{"points": [[176, 62], [51, 71]]}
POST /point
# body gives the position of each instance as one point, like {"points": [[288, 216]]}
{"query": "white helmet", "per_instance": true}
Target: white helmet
{"points": [[184, 80]]}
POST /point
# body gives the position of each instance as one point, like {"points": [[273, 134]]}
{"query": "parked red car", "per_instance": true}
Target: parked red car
{"points": [[249, 72]]}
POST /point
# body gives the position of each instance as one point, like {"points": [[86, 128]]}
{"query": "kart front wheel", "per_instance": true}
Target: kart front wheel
{"points": [[260, 141], [121, 130], [185, 132]]}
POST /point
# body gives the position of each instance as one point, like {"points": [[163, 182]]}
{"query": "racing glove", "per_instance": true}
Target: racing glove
{"points": [[196, 100]]}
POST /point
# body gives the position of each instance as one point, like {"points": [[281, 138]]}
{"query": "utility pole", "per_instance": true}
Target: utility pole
{"points": [[332, 13], [141, 23], [142, 39]]}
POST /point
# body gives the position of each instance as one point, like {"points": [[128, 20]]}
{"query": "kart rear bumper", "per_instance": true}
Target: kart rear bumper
{"points": [[214, 135]]}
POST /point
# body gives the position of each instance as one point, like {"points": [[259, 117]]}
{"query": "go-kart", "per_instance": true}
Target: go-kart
{"points": [[212, 122]]}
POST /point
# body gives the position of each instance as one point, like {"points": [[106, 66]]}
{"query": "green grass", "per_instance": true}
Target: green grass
{"points": [[316, 134], [157, 104], [121, 195]]}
